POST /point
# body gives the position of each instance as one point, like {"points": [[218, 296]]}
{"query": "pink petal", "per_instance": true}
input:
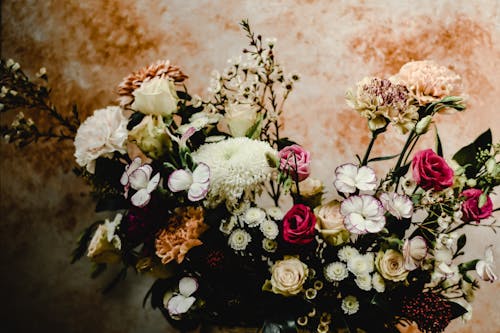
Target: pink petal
{"points": [[201, 174], [140, 198], [180, 180]]}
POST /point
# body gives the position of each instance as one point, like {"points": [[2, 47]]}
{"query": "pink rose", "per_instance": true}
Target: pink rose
{"points": [[430, 171], [298, 225], [470, 209], [295, 161]]}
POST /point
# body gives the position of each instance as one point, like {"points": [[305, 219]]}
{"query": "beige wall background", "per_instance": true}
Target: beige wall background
{"points": [[89, 46]]}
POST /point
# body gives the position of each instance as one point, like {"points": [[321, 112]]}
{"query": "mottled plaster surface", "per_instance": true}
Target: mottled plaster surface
{"points": [[89, 46]]}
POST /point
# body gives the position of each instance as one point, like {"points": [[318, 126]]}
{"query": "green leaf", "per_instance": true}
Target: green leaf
{"points": [[468, 266], [119, 277], [383, 158], [467, 155], [461, 242], [401, 171], [439, 146], [97, 269], [254, 131], [285, 142], [83, 241], [134, 120], [482, 200], [456, 310]]}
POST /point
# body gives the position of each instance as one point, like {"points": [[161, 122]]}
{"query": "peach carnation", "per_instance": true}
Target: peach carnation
{"points": [[428, 82], [181, 234]]}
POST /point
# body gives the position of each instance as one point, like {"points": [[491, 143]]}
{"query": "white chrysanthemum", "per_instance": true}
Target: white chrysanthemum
{"points": [[350, 305], [269, 229], [227, 225], [239, 239], [275, 213], [364, 282], [100, 135], [361, 264], [336, 271], [238, 166], [269, 245], [347, 252], [378, 282], [254, 216]]}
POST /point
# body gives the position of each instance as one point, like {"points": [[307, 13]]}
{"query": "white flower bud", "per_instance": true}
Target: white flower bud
{"points": [[423, 125]]}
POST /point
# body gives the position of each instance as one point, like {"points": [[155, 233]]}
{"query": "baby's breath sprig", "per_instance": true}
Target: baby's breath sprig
{"points": [[19, 93]]}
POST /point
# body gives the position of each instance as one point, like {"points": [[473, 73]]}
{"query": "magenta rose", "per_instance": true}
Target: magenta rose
{"points": [[295, 160], [298, 225], [470, 209], [430, 171]]}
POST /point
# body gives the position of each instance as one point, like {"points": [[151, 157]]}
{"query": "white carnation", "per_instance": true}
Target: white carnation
{"points": [[269, 229], [239, 239], [100, 135], [238, 166], [336, 271]]}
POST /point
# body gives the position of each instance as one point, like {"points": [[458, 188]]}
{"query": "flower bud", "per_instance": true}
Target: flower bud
{"points": [[423, 125]]}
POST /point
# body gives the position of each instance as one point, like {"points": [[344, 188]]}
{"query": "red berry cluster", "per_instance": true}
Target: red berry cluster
{"points": [[429, 311], [215, 258]]}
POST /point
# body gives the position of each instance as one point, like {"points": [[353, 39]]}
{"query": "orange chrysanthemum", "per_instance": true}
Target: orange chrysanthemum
{"points": [[181, 234], [133, 81]]}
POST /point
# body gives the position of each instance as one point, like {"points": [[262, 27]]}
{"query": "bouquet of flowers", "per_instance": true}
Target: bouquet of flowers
{"points": [[197, 193]]}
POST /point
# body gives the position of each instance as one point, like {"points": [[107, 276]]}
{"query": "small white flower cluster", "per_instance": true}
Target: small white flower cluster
{"points": [[360, 265], [253, 218]]}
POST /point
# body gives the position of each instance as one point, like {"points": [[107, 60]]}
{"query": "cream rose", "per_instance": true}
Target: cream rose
{"points": [[156, 96], [330, 223], [311, 190], [151, 136], [104, 248], [288, 277], [240, 118], [100, 135], [391, 265]]}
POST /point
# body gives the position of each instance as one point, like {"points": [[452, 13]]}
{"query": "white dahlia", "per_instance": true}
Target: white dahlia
{"points": [[238, 166]]}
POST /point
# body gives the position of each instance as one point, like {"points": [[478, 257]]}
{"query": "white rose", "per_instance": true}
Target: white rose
{"points": [[330, 223], [240, 118], [288, 277], [151, 136], [100, 135], [156, 96], [391, 265]]}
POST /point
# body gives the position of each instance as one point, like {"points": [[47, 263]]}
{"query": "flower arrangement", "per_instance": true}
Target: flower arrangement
{"points": [[193, 187]]}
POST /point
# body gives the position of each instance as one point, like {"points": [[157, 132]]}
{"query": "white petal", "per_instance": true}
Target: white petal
{"points": [[355, 223], [346, 178], [136, 164], [201, 174], [371, 206], [374, 226], [180, 180], [197, 191], [138, 179], [140, 198], [153, 183], [184, 304], [124, 179], [366, 179], [173, 304], [187, 286], [350, 205], [488, 254]]}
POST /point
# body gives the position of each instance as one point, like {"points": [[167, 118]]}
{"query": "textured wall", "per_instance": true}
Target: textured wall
{"points": [[88, 46]]}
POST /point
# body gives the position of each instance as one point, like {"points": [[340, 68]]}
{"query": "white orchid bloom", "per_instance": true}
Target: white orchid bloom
{"points": [[138, 177], [182, 302], [196, 182], [399, 205], [484, 268], [350, 177], [362, 214]]}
